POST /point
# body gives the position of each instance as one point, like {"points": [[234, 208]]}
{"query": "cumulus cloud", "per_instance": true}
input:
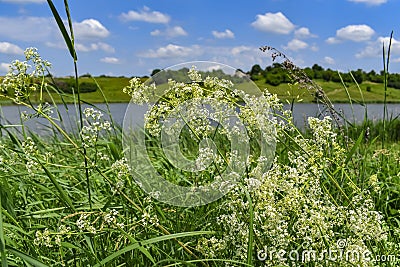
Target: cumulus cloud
{"points": [[170, 32], [146, 15], [240, 49], [296, 45], [303, 33], [4, 67], [45, 30], [94, 47], [28, 28], [370, 2], [355, 33], [24, 1], [333, 40], [374, 49], [8, 48], [273, 22], [223, 35], [90, 28], [110, 60], [171, 51], [329, 60]]}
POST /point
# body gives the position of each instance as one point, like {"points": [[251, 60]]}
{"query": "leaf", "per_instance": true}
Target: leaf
{"points": [[63, 30], [26, 258], [2, 243], [354, 148], [147, 242], [62, 195]]}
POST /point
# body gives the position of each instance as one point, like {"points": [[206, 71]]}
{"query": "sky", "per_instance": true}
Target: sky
{"points": [[131, 38]]}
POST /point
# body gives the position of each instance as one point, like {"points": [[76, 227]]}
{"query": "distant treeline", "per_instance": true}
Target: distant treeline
{"points": [[275, 75], [67, 85]]}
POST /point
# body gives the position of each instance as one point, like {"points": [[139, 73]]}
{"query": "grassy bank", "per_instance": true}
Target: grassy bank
{"points": [[110, 88], [98, 196]]}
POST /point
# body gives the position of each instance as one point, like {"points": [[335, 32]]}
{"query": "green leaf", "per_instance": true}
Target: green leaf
{"points": [[63, 30], [62, 195], [354, 148], [147, 242], [2, 243], [26, 258]]}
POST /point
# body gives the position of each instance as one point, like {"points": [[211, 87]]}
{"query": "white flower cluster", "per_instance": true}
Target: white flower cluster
{"points": [[84, 224], [21, 76], [138, 91], [47, 238], [90, 132], [122, 169], [110, 217], [292, 207], [31, 152], [210, 108], [43, 238]]}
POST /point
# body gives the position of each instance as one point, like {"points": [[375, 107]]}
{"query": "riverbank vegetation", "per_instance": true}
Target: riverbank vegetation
{"points": [[95, 89], [327, 196]]}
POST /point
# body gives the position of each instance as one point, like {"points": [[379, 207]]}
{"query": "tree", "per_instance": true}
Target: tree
{"points": [[255, 72], [318, 70], [154, 72], [359, 75], [327, 75]]}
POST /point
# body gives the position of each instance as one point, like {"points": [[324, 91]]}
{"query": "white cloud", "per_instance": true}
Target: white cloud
{"points": [[329, 60], [332, 40], [94, 47], [370, 2], [45, 30], [303, 33], [374, 49], [240, 49], [4, 67], [223, 35], [110, 60], [170, 32], [314, 48], [214, 67], [28, 28], [273, 22], [171, 51], [146, 15], [8, 48], [296, 45], [24, 1], [355, 33], [90, 28]]}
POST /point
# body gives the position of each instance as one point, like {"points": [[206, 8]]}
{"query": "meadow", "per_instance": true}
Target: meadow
{"points": [[110, 88], [325, 196]]}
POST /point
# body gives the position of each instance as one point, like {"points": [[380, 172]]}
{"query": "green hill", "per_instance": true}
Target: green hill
{"points": [[112, 89]]}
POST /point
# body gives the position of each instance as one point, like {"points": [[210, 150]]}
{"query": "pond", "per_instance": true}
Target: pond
{"points": [[10, 115]]}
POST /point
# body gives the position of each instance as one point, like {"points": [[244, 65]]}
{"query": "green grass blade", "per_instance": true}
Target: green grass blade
{"points": [[26, 258], [148, 242], [62, 195], [355, 146], [63, 30], [2, 243], [250, 244]]}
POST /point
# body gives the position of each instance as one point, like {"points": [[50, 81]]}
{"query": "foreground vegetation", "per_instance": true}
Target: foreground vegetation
{"points": [[328, 196]]}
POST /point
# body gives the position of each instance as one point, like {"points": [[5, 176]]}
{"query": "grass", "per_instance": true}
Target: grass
{"points": [[70, 199], [111, 87], [335, 92]]}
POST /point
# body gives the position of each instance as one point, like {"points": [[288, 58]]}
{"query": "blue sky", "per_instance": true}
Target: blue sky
{"points": [[130, 38]]}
